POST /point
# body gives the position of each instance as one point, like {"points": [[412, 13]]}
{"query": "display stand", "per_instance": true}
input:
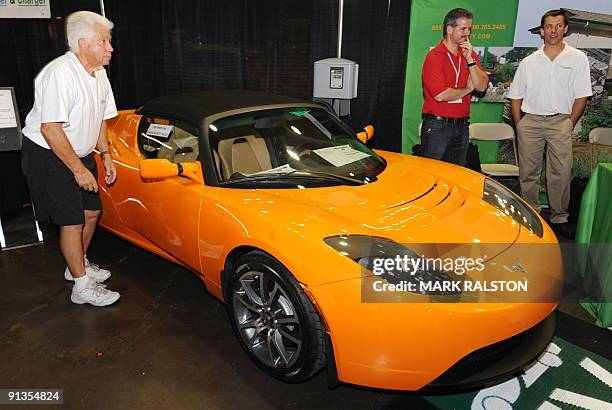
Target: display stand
{"points": [[18, 228]]}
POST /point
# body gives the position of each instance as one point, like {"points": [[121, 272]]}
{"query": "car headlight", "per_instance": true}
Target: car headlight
{"points": [[369, 251], [507, 202]]}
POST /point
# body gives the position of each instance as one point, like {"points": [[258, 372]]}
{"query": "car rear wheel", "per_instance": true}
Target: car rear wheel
{"points": [[273, 319]]}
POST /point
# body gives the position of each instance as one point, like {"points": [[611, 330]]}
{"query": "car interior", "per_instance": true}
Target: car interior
{"points": [[246, 155]]}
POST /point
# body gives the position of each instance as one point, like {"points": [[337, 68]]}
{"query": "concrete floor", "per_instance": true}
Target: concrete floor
{"points": [[166, 344]]}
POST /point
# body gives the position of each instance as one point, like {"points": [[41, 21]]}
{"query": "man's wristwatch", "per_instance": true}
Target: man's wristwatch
{"points": [[473, 63], [103, 153]]}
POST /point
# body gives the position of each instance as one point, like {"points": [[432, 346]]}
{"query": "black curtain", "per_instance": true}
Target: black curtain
{"points": [[26, 47], [202, 45], [169, 46], [29, 44], [166, 47], [137, 67], [277, 41], [375, 35]]}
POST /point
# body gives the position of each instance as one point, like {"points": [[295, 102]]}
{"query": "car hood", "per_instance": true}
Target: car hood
{"points": [[409, 197], [396, 186]]}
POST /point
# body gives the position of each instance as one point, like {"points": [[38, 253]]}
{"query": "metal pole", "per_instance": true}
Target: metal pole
{"points": [[340, 18]]}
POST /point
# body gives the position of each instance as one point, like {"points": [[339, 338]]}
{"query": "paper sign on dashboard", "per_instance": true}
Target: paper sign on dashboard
{"points": [[340, 155]]}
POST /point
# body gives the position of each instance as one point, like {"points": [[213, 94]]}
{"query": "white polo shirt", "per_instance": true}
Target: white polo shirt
{"points": [[64, 92], [550, 87]]}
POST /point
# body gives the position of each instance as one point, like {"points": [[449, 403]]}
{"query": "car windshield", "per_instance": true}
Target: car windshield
{"points": [[286, 147]]}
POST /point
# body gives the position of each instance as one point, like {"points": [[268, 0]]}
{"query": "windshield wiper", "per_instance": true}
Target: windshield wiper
{"points": [[257, 177], [329, 175], [293, 174]]}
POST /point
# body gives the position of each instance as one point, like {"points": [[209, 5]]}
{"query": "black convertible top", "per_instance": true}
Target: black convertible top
{"points": [[194, 107]]}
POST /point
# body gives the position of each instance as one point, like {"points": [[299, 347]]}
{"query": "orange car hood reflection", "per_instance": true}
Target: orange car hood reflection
{"points": [[404, 200]]}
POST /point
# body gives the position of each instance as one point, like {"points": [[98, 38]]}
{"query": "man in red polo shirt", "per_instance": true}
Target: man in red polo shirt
{"points": [[451, 72]]}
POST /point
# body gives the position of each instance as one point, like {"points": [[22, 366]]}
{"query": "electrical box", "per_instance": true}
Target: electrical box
{"points": [[335, 78]]}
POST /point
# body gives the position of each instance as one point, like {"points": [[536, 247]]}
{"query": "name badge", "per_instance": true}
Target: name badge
{"points": [[457, 101]]}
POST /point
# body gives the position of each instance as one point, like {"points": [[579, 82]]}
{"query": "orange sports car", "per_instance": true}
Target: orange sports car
{"points": [[391, 271]]}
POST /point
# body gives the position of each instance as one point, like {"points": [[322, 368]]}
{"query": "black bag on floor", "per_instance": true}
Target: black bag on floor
{"points": [[473, 158], [417, 150], [577, 187]]}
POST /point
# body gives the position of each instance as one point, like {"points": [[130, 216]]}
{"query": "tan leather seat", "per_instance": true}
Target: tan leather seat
{"points": [[182, 147], [247, 155]]}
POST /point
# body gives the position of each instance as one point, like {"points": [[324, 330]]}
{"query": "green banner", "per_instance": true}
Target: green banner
{"points": [[493, 25]]}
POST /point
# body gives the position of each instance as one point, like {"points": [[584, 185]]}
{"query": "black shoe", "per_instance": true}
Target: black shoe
{"points": [[564, 229]]}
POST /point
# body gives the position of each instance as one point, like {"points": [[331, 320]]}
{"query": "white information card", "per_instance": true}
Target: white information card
{"points": [[340, 155], [8, 119]]}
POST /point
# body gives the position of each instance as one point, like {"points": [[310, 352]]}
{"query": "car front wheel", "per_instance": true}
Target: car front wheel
{"points": [[274, 320]]}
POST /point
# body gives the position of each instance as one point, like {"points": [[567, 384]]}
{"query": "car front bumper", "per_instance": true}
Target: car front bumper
{"points": [[497, 362]]}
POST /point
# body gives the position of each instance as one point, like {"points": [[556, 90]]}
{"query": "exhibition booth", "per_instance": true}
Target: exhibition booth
{"points": [[306, 204]]}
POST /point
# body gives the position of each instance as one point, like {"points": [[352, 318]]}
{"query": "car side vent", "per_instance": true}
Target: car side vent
{"points": [[433, 187], [449, 203], [444, 199]]}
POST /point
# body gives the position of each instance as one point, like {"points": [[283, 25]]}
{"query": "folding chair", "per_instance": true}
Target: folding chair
{"points": [[497, 132], [601, 136]]}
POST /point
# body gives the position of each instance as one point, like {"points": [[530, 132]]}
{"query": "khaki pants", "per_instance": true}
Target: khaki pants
{"points": [[535, 133]]}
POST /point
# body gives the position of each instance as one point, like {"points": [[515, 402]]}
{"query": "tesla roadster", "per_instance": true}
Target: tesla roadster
{"points": [[291, 220]]}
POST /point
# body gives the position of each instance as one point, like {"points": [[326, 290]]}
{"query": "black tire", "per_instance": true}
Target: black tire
{"points": [[279, 329]]}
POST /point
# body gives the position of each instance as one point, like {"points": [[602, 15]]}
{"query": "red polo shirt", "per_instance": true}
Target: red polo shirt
{"points": [[440, 74]]}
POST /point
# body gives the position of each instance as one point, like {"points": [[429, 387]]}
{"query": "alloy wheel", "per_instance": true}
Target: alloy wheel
{"points": [[267, 319]]}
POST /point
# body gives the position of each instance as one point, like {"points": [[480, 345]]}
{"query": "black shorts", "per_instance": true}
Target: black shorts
{"points": [[54, 192]]}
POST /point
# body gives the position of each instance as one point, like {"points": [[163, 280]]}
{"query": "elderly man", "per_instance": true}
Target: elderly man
{"points": [[551, 87], [451, 72], [73, 99]]}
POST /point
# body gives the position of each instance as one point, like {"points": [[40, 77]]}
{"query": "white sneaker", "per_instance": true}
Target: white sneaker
{"points": [[92, 270], [96, 295]]}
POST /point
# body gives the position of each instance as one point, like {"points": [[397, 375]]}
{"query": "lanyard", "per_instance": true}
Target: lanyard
{"points": [[457, 70]]}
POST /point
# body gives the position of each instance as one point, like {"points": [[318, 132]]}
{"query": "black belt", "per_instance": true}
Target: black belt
{"points": [[462, 120], [545, 116]]}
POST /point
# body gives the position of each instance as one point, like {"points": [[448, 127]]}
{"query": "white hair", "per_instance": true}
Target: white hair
{"points": [[82, 24]]}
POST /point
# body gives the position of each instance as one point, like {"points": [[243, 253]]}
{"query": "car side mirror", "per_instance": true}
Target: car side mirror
{"points": [[367, 134], [162, 168]]}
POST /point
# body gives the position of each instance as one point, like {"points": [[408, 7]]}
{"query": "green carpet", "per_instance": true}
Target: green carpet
{"points": [[565, 377]]}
